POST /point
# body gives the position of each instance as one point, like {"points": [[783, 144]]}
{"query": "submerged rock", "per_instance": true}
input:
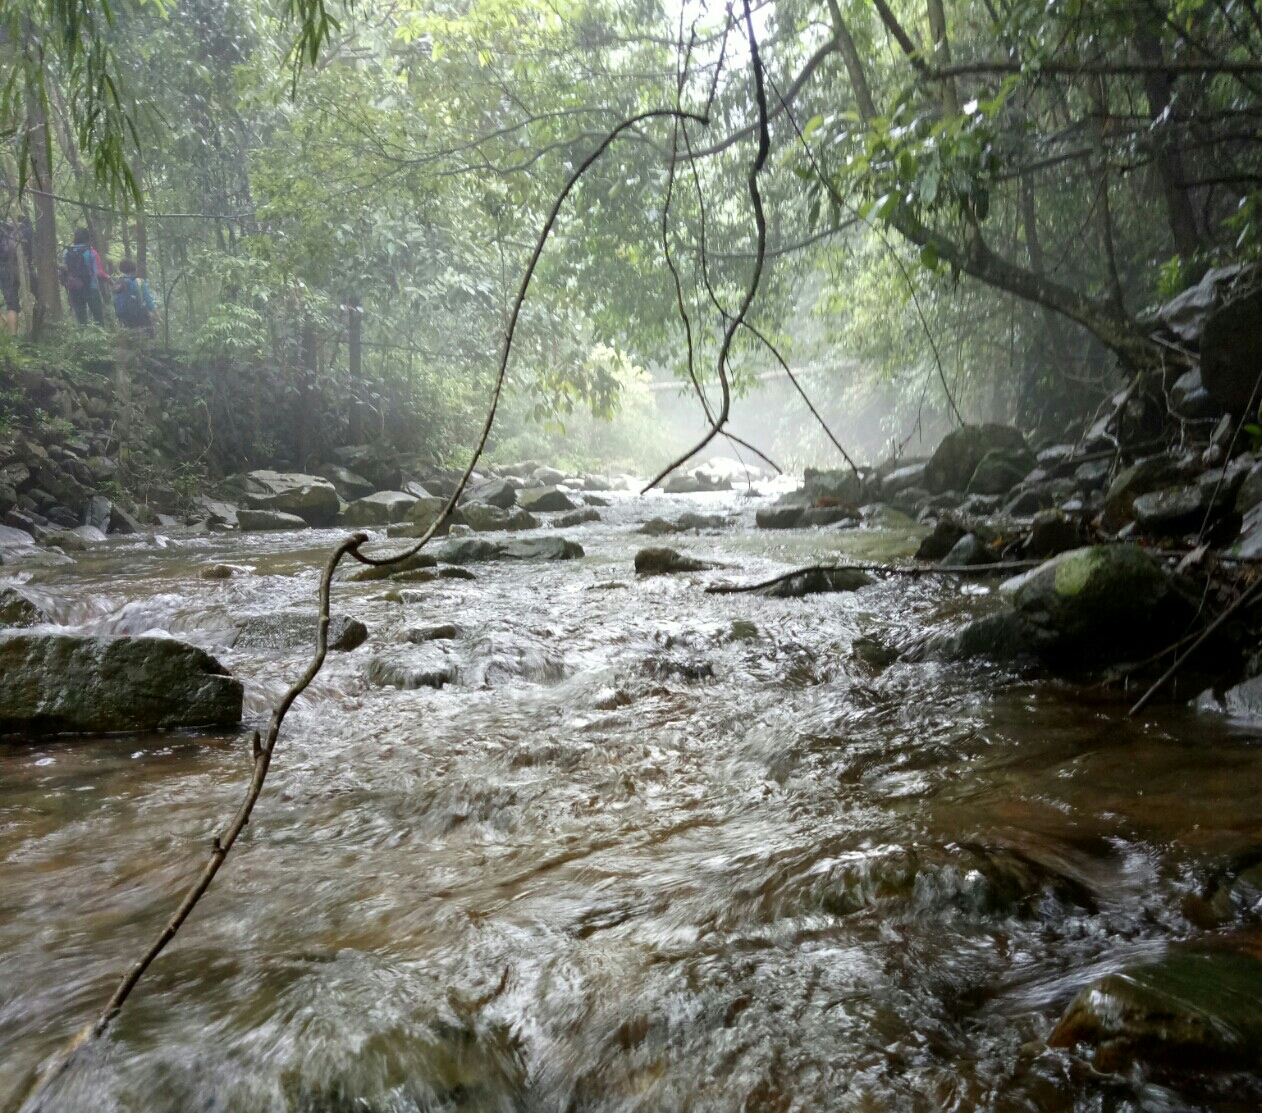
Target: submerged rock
{"points": [[796, 517], [17, 610], [60, 683], [371, 572], [448, 631], [541, 548], [290, 630], [346, 633], [577, 518], [660, 561], [1189, 1009]]}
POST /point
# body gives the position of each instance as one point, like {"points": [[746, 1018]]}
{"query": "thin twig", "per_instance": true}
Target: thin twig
{"points": [[755, 196]]}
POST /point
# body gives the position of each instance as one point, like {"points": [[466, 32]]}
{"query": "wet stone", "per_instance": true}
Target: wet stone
{"points": [[664, 561], [346, 633], [447, 631], [17, 610], [217, 572], [1189, 1009]]}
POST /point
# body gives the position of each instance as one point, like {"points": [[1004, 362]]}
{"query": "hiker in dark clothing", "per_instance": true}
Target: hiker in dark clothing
{"points": [[82, 274], [15, 246], [133, 301]]}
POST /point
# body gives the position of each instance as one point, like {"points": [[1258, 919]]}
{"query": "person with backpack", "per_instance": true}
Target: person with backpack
{"points": [[133, 301], [82, 275]]}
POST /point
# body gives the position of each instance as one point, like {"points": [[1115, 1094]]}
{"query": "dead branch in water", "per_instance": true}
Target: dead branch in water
{"points": [[885, 569], [262, 750]]}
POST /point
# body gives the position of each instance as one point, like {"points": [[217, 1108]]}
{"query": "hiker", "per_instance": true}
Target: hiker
{"points": [[15, 244], [82, 273], [133, 300]]}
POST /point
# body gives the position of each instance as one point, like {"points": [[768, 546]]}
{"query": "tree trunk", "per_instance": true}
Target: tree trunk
{"points": [[39, 141], [306, 386], [355, 320], [1168, 164]]}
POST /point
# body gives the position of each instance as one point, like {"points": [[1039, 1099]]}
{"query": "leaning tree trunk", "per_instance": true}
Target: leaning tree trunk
{"points": [[39, 144]]}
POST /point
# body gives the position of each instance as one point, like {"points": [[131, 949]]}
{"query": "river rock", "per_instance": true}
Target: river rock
{"points": [[346, 633], [659, 561], [17, 610], [372, 572], [696, 482], [818, 581], [911, 475], [953, 463], [290, 630], [425, 511], [382, 508], [544, 499], [448, 631], [411, 674], [59, 683], [548, 477], [1172, 512], [348, 484], [13, 539], [941, 541], [837, 485], [486, 517], [467, 550], [494, 492], [218, 514], [1086, 607], [268, 520], [217, 572], [1052, 532], [1190, 400], [97, 512], [310, 497], [1000, 470], [799, 517], [968, 551], [578, 518], [1197, 1010], [1141, 478], [541, 548], [1231, 351]]}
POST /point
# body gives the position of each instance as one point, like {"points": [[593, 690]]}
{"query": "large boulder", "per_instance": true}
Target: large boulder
{"points": [[310, 497], [1231, 352], [16, 609], [797, 517], [348, 484], [952, 466], [1000, 470], [493, 492], [544, 499], [268, 520], [486, 517], [60, 683], [382, 508], [832, 486], [1083, 608]]}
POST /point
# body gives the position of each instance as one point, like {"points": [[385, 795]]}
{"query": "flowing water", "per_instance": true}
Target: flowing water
{"points": [[651, 850]]}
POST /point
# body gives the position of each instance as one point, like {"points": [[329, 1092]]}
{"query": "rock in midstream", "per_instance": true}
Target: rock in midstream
{"points": [[660, 561], [62, 683]]}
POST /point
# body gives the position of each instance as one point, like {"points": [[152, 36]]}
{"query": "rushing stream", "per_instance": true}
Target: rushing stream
{"points": [[634, 857]]}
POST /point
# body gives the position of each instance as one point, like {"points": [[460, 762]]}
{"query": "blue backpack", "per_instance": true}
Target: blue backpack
{"points": [[129, 302]]}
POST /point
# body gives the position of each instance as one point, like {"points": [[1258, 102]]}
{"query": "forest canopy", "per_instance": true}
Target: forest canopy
{"points": [[969, 207]]}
